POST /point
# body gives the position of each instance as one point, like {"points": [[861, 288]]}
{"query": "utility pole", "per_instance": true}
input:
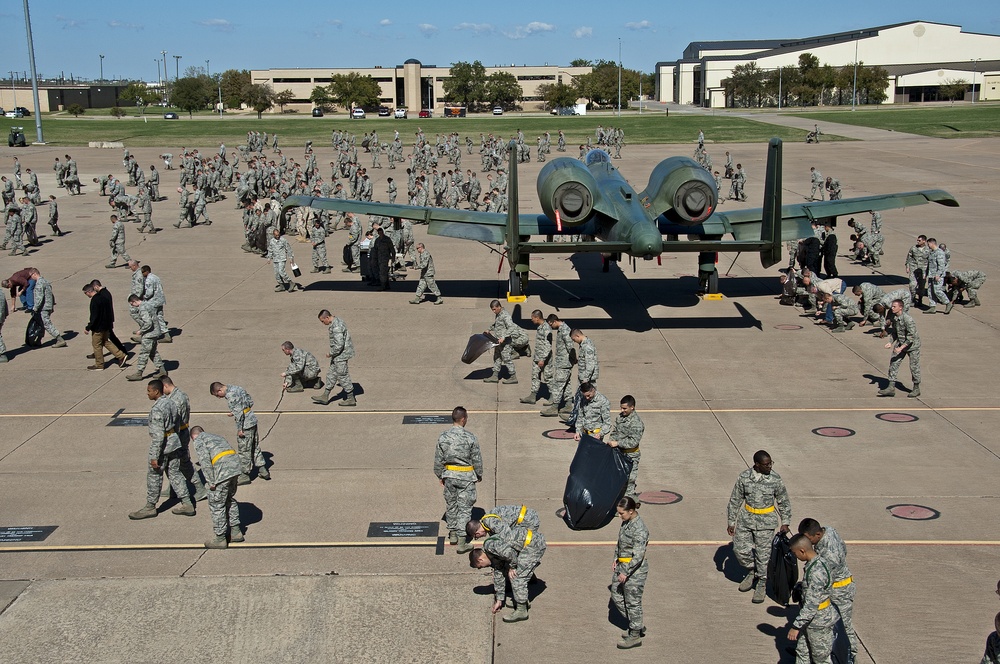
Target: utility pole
{"points": [[34, 73], [159, 79], [619, 77], [975, 70]]}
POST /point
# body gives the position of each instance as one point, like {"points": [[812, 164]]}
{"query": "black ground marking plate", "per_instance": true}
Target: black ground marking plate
{"points": [[833, 432], [403, 529], [426, 419], [896, 417], [128, 422], [660, 497], [787, 327], [15, 534], [913, 512]]}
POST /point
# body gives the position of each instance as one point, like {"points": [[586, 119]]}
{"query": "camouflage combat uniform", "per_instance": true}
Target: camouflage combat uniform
{"points": [[904, 331], [45, 304], [303, 369], [817, 617], [341, 350], [278, 252], [970, 281], [425, 263], [559, 387], [916, 264], [595, 416], [543, 354], [843, 308], [515, 339], [870, 296], [458, 462], [117, 242], [631, 561], [221, 467], [4, 312], [183, 405], [317, 236], [241, 406], [936, 267], [164, 448], [149, 333], [522, 551], [833, 551], [752, 513], [501, 519], [628, 433]]}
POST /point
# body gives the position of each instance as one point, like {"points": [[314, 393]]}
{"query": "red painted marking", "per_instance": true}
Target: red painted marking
{"points": [[661, 497], [833, 432], [913, 512], [897, 417], [558, 222], [558, 434]]}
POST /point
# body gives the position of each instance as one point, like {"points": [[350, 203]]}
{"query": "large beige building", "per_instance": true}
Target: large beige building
{"points": [[411, 85], [918, 55]]}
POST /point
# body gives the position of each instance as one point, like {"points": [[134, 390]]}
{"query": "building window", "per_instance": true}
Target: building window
{"points": [[293, 80], [547, 77]]}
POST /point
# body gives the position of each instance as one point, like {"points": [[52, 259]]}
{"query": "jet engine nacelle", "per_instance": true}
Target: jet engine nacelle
{"points": [[681, 189], [567, 186]]}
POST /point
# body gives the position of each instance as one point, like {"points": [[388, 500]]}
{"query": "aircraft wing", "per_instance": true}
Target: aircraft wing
{"points": [[796, 220], [464, 224]]}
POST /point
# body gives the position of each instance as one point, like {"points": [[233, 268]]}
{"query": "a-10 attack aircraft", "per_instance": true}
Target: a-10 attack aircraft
{"points": [[592, 199]]}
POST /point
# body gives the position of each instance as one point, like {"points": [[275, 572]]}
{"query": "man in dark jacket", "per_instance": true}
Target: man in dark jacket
{"points": [[830, 252], [101, 326], [385, 255]]}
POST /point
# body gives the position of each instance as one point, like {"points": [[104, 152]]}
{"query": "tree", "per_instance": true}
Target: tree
{"points": [[75, 110], [466, 85], [581, 62], [259, 97], [282, 98], [320, 97], [117, 112], [355, 90], [558, 95], [137, 93], [194, 72], [779, 83], [872, 83], [601, 85], [192, 94], [953, 89], [234, 83], [745, 87], [502, 89]]}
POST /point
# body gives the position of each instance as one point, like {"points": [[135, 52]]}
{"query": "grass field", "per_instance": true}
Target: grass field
{"points": [[963, 121], [202, 130]]}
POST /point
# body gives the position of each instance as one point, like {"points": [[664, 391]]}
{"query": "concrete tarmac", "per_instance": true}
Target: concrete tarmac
{"points": [[714, 382]]}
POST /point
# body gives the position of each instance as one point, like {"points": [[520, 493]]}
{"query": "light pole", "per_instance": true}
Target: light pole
{"points": [[619, 77], [159, 79], [780, 72], [34, 74], [102, 67], [975, 70], [177, 66], [854, 95], [208, 72], [166, 78]]}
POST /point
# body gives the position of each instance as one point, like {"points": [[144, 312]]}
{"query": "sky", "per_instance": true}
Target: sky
{"points": [[69, 36]]}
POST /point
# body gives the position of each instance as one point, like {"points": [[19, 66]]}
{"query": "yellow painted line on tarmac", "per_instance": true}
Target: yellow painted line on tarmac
{"points": [[426, 542], [886, 408]]}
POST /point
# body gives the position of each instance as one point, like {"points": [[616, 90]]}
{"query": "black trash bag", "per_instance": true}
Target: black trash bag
{"points": [[782, 570], [348, 256], [36, 328], [598, 477], [478, 344]]}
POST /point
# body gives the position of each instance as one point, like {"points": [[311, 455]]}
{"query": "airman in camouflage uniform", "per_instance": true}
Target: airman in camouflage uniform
{"points": [[818, 184], [630, 570], [241, 410], [144, 315], [937, 267], [968, 280], [587, 369], [458, 464], [117, 242], [813, 627], [279, 252], [4, 312], [905, 343], [341, 350], [594, 417], [870, 296], [164, 455], [501, 519], [303, 369], [152, 290], [183, 404], [514, 557], [45, 304], [751, 514], [833, 551], [916, 267], [317, 236], [626, 435], [843, 308], [425, 263], [559, 385], [512, 341], [353, 241], [221, 467], [541, 367]]}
